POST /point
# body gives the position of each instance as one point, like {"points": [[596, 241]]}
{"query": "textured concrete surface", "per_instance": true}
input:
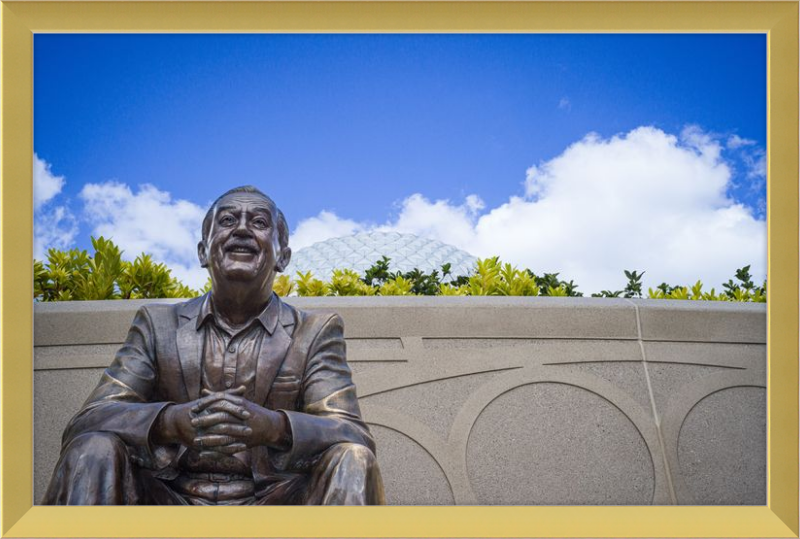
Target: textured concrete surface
{"points": [[78, 356], [628, 376], [57, 396], [702, 321], [434, 404], [552, 350], [506, 400], [411, 476], [670, 380], [722, 448], [726, 355], [570, 446], [97, 322], [89, 322]]}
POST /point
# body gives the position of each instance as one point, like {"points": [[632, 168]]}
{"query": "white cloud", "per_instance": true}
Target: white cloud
{"points": [[46, 185], [148, 221], [452, 224], [324, 226], [440, 219], [756, 163], [564, 104], [645, 200], [735, 141], [54, 226]]}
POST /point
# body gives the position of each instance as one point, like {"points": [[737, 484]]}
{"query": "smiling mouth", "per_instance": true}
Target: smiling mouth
{"points": [[241, 249]]}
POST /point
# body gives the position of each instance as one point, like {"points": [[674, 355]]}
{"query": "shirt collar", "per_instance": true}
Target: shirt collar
{"points": [[268, 317]]}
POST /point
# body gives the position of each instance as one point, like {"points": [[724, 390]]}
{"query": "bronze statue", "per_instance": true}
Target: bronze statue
{"points": [[232, 398]]}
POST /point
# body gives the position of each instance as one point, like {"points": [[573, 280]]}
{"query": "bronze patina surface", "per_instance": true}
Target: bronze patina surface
{"points": [[232, 398]]}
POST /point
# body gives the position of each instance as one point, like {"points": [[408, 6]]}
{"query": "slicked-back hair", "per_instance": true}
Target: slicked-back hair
{"points": [[280, 220]]}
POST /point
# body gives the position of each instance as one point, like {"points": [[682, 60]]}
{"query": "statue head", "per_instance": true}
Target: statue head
{"points": [[245, 238]]}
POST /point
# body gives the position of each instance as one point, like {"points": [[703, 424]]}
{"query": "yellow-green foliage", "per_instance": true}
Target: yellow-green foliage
{"points": [[206, 287], [396, 287], [746, 292], [307, 285], [450, 290], [492, 278], [560, 291], [75, 275], [486, 281], [514, 282], [348, 283], [283, 285]]}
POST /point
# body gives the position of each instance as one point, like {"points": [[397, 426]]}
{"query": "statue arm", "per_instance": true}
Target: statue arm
{"points": [[330, 413], [121, 402]]}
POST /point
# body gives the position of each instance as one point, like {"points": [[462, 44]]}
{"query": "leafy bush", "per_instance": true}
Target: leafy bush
{"points": [[307, 285], [75, 275], [632, 289], [283, 285], [348, 283], [744, 290]]}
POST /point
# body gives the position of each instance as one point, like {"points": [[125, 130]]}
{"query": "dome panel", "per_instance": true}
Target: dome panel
{"points": [[360, 251]]}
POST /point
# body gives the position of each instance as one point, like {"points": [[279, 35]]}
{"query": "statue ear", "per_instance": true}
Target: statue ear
{"points": [[202, 255], [283, 259]]}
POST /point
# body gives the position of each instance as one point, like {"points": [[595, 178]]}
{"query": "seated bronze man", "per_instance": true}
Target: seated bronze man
{"points": [[232, 398]]}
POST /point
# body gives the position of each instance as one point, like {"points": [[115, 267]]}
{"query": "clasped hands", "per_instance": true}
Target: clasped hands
{"points": [[223, 422]]}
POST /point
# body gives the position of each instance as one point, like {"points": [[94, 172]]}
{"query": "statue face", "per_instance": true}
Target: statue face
{"points": [[242, 243]]}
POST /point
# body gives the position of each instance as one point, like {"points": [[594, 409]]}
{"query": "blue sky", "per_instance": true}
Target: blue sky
{"points": [[356, 132]]}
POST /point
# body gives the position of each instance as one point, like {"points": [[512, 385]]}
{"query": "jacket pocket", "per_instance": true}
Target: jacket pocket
{"points": [[284, 393], [286, 383]]}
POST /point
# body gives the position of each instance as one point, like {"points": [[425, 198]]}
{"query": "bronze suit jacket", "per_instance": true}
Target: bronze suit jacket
{"points": [[301, 370]]}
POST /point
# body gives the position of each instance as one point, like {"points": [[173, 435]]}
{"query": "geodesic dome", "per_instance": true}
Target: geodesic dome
{"points": [[360, 251]]}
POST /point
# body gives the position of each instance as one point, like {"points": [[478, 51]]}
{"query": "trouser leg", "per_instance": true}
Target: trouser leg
{"points": [[94, 469], [346, 474]]}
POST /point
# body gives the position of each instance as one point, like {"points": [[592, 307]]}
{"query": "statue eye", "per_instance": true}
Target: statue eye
{"points": [[260, 222], [227, 220]]}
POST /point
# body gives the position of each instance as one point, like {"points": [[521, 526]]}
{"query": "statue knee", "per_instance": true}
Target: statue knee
{"points": [[96, 447], [353, 453], [347, 474], [93, 470]]}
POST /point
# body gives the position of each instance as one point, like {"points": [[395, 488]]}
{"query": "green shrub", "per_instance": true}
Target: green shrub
{"points": [[307, 285], [399, 286], [744, 290], [75, 275], [283, 285], [348, 283]]}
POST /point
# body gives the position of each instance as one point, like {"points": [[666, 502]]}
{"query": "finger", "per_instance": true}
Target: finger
{"points": [[230, 449], [208, 399], [230, 397], [214, 440], [229, 407], [203, 404], [237, 391], [232, 429], [205, 421]]}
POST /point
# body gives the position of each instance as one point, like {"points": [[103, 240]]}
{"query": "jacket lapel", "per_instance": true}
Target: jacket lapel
{"points": [[190, 344], [273, 353]]}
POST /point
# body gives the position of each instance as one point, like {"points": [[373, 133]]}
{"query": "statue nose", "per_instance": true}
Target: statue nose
{"points": [[243, 230]]}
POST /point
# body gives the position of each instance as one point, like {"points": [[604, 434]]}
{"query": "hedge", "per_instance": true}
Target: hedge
{"points": [[73, 275]]}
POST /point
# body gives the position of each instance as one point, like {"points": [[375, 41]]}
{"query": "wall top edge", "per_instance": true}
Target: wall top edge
{"points": [[438, 302]]}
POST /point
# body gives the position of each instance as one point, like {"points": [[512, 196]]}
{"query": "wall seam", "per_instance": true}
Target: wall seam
{"points": [[653, 407]]}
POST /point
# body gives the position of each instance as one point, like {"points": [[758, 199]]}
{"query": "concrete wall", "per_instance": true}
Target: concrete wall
{"points": [[507, 400]]}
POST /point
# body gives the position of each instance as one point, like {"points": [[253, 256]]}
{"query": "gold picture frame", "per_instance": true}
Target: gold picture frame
{"points": [[21, 19]]}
